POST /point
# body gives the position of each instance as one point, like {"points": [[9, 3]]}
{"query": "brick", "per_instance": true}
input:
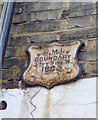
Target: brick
{"points": [[80, 11], [90, 67], [48, 25], [96, 55], [97, 20], [42, 6], [45, 15], [16, 70], [48, 37], [79, 22], [13, 74], [96, 44], [97, 67], [79, 3], [14, 29], [79, 34], [21, 51], [10, 52], [7, 74], [87, 56], [9, 84], [19, 18], [20, 8], [14, 61], [97, 7], [10, 41], [21, 40], [18, 51], [91, 45]]}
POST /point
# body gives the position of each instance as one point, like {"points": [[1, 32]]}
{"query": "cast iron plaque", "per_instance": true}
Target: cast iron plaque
{"points": [[52, 64]]}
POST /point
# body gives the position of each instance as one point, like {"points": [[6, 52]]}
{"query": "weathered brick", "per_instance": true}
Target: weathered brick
{"points": [[10, 41], [7, 74], [20, 8], [18, 51], [87, 56], [14, 61], [44, 18], [96, 44], [79, 34], [97, 7], [10, 52], [44, 37], [97, 67], [79, 22], [13, 74], [90, 67], [45, 15], [20, 40], [16, 70], [21, 51], [49, 25], [9, 84], [91, 44], [80, 11], [14, 29], [40, 6], [19, 18], [79, 3], [97, 20]]}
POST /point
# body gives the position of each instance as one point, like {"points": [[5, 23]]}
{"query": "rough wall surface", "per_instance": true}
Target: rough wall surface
{"points": [[37, 22], [46, 22], [75, 100]]}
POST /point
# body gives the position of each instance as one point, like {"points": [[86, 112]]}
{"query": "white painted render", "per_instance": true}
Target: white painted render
{"points": [[73, 100]]}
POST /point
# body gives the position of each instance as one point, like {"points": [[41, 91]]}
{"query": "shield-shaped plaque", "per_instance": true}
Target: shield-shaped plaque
{"points": [[52, 64]]}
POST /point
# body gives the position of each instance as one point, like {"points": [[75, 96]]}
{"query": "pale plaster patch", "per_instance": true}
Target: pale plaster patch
{"points": [[74, 100]]}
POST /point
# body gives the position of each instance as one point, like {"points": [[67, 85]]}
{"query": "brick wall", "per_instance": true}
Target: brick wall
{"points": [[47, 21]]}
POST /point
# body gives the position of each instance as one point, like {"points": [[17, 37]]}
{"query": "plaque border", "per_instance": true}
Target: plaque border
{"points": [[37, 45]]}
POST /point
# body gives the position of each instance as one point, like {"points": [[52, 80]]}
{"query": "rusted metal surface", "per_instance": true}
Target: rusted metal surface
{"points": [[52, 64]]}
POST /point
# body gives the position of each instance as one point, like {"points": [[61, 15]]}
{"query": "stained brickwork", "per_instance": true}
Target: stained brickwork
{"points": [[38, 22]]}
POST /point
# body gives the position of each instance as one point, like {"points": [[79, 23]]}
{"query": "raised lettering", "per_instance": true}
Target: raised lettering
{"points": [[54, 51]]}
